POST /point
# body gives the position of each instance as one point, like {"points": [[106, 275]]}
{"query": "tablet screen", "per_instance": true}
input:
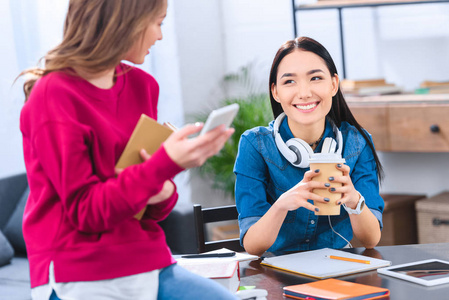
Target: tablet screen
{"points": [[426, 271]]}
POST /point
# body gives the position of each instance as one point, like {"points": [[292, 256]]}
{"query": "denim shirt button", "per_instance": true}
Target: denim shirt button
{"points": [[312, 222], [307, 240]]}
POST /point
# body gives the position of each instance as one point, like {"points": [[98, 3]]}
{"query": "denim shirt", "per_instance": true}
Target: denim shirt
{"points": [[263, 175]]}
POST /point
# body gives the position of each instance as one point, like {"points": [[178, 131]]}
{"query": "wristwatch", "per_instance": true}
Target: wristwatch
{"points": [[358, 209]]}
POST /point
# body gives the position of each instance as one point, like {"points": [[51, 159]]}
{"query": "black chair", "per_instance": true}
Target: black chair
{"points": [[203, 216]]}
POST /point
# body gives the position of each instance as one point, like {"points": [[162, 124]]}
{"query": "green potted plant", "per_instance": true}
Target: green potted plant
{"points": [[255, 110]]}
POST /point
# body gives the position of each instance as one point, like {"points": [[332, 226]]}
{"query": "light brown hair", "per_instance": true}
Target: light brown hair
{"points": [[97, 35]]}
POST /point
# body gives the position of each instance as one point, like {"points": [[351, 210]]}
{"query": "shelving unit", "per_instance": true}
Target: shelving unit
{"points": [[405, 123], [343, 4]]}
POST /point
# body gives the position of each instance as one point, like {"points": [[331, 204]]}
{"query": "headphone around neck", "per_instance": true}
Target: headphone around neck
{"points": [[298, 152]]}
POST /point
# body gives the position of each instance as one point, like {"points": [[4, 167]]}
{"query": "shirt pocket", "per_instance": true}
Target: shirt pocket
{"points": [[290, 217], [274, 192]]}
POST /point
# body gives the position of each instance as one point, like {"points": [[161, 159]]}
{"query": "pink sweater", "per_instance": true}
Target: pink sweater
{"points": [[79, 214]]}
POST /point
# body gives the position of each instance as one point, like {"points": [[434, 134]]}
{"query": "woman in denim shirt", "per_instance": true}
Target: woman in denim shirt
{"points": [[274, 198]]}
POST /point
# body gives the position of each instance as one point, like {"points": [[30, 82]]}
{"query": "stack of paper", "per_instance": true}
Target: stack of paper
{"points": [[224, 270]]}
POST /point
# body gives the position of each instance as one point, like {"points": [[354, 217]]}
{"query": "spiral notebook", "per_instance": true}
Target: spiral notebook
{"points": [[319, 264]]}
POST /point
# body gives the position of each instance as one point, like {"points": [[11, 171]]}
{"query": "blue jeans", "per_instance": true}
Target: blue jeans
{"points": [[53, 296], [175, 282]]}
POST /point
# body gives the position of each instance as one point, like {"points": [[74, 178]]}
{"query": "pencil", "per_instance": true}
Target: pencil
{"points": [[349, 259]]}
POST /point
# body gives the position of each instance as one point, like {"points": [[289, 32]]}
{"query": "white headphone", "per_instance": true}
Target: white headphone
{"points": [[298, 152]]}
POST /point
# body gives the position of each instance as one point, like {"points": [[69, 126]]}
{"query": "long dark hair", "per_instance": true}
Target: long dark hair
{"points": [[339, 111]]}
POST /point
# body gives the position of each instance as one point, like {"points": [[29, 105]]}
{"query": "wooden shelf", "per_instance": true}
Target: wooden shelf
{"points": [[343, 4], [398, 99], [405, 123]]}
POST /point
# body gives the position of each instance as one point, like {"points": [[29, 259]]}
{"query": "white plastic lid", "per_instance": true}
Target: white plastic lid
{"points": [[327, 158]]}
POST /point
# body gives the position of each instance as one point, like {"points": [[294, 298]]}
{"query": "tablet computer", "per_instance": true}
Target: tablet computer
{"points": [[224, 115], [428, 272]]}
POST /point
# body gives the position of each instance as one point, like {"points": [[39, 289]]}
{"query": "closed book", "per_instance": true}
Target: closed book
{"points": [[149, 135], [225, 272], [355, 84], [374, 90], [335, 289], [428, 83]]}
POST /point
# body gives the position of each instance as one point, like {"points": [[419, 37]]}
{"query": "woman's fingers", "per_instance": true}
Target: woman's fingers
{"points": [[186, 131], [306, 191], [310, 185], [192, 152], [311, 207], [144, 154], [344, 168], [309, 175], [118, 171]]}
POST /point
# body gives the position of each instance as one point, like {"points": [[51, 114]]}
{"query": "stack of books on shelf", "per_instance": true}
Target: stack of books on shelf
{"points": [[370, 87], [433, 87]]}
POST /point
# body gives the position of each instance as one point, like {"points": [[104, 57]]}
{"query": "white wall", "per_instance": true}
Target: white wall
{"points": [[25, 38], [404, 44], [201, 53]]}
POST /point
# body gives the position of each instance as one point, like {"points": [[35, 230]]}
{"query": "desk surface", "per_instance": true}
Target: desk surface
{"points": [[272, 280]]}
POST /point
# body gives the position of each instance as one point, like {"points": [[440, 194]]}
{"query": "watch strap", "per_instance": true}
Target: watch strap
{"points": [[360, 206]]}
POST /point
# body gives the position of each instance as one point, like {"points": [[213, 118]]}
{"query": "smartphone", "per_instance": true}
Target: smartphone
{"points": [[224, 115]]}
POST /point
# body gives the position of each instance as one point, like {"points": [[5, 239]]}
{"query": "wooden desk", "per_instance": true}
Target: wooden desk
{"points": [[272, 280]]}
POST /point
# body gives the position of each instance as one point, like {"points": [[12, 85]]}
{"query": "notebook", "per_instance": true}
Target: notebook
{"points": [[334, 289], [223, 271], [149, 135], [318, 264]]}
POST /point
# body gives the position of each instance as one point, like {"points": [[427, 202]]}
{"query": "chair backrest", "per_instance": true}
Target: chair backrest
{"points": [[210, 215]]}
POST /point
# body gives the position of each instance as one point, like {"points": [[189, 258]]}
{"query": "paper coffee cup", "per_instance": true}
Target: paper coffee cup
{"points": [[326, 163]]}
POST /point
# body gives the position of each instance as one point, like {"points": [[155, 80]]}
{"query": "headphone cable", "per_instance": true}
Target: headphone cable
{"points": [[349, 244]]}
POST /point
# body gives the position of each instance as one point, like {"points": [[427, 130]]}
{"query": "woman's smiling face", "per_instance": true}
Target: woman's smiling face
{"points": [[304, 87]]}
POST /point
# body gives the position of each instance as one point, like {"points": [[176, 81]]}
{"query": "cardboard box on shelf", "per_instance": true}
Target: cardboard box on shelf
{"points": [[433, 219]]}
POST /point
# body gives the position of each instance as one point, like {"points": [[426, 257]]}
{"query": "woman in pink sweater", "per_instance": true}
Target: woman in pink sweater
{"points": [[82, 106]]}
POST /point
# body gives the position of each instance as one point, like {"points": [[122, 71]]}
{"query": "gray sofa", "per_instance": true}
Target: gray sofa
{"points": [[14, 268]]}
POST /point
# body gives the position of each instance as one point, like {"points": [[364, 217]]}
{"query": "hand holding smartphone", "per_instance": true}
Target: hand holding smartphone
{"points": [[224, 115]]}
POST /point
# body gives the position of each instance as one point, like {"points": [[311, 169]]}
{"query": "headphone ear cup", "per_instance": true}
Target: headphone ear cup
{"points": [[339, 141], [329, 145], [302, 151]]}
